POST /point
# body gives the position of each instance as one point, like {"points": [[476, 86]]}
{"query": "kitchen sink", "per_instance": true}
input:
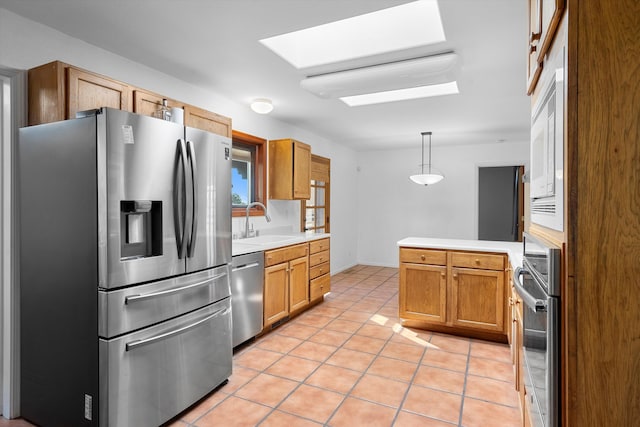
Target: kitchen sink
{"points": [[266, 239]]}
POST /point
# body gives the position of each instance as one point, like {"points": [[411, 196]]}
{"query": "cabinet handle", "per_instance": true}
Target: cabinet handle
{"points": [[422, 257]]}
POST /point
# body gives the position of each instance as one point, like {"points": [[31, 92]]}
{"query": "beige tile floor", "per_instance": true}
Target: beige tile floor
{"points": [[348, 362]]}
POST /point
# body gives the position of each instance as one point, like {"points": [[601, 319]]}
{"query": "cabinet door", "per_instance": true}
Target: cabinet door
{"points": [[298, 284], [276, 293], [87, 91], [423, 292], [478, 299], [534, 66], [206, 120], [301, 170], [147, 103]]}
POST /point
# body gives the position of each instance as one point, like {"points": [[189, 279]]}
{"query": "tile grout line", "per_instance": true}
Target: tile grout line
{"points": [[464, 386]]}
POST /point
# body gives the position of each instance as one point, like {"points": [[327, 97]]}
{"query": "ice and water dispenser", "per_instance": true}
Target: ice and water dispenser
{"points": [[140, 228]]}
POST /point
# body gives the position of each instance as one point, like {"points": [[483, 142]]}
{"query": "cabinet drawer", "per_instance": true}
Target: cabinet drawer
{"points": [[423, 256], [278, 256], [318, 258], [319, 287], [318, 246], [319, 270], [477, 260]]}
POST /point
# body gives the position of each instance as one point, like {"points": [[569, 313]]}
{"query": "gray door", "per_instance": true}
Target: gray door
{"points": [[210, 241], [137, 158], [498, 203]]}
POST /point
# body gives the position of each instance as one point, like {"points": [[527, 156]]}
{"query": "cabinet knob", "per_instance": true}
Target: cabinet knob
{"points": [[533, 37], [532, 48], [320, 271], [477, 261], [442, 274], [422, 257], [455, 275]]}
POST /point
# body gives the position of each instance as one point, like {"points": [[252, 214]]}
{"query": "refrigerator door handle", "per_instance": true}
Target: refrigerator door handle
{"points": [[180, 202], [194, 198], [139, 343], [137, 297]]}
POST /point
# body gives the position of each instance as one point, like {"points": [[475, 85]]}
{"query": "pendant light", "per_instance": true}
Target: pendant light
{"points": [[432, 175]]}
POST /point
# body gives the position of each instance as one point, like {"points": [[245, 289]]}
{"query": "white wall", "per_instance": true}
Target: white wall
{"points": [[25, 44], [391, 207]]}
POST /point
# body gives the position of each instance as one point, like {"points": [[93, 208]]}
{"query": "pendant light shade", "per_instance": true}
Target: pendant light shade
{"points": [[432, 175]]}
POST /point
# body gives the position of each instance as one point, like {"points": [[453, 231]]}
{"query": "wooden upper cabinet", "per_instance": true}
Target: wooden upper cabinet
{"points": [[57, 91], [86, 91], [206, 120], [148, 103], [534, 67], [289, 170], [544, 19]]}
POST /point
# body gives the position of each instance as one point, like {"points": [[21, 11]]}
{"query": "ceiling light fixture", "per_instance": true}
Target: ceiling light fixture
{"points": [[401, 94], [432, 176], [410, 73], [262, 105]]}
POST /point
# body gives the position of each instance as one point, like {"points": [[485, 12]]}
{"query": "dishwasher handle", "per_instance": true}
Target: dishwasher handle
{"points": [[535, 304], [244, 267]]}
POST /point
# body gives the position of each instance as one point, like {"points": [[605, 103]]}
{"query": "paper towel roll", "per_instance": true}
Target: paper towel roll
{"points": [[177, 115]]}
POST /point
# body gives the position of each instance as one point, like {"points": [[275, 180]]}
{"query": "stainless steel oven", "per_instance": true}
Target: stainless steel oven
{"points": [[538, 283]]}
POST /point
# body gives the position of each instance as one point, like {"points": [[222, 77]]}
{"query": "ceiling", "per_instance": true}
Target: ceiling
{"points": [[214, 44]]}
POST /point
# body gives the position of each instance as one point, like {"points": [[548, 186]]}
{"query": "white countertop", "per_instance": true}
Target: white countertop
{"points": [[513, 249], [265, 242]]}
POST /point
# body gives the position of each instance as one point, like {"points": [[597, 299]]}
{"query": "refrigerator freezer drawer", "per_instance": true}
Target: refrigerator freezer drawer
{"points": [[150, 376], [136, 307]]}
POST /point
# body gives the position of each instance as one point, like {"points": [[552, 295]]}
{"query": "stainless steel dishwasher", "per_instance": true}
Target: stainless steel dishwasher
{"points": [[247, 277]]}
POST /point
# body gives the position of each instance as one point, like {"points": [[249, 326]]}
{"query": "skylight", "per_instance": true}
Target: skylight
{"points": [[402, 27], [401, 94]]}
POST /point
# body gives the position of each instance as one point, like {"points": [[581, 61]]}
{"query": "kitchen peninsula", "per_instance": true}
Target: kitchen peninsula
{"points": [[457, 286]]}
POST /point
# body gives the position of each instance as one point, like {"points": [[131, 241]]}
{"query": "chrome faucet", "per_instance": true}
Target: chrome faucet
{"points": [[266, 216]]}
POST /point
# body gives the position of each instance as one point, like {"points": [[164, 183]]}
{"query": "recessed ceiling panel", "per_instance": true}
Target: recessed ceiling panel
{"points": [[402, 27]]}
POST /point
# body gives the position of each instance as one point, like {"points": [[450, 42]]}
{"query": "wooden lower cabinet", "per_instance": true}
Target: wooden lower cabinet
{"points": [[454, 291], [478, 299], [298, 284], [276, 293], [286, 282], [423, 292], [319, 269]]}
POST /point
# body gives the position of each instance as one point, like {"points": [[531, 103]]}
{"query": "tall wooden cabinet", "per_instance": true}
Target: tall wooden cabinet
{"points": [[599, 296], [289, 170]]}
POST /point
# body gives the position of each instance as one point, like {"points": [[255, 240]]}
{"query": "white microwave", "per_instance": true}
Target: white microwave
{"points": [[547, 151]]}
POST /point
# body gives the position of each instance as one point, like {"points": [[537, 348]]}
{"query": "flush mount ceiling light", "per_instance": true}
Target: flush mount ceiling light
{"points": [[432, 175], [401, 94], [412, 73], [262, 105], [412, 25]]}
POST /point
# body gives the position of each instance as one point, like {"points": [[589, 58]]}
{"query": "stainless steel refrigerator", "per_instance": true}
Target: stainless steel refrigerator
{"points": [[125, 251]]}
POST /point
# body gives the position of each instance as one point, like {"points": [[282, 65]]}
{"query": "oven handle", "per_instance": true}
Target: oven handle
{"points": [[537, 305], [139, 343]]}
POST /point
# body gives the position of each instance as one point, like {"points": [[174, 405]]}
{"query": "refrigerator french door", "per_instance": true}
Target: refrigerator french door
{"points": [[125, 239]]}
